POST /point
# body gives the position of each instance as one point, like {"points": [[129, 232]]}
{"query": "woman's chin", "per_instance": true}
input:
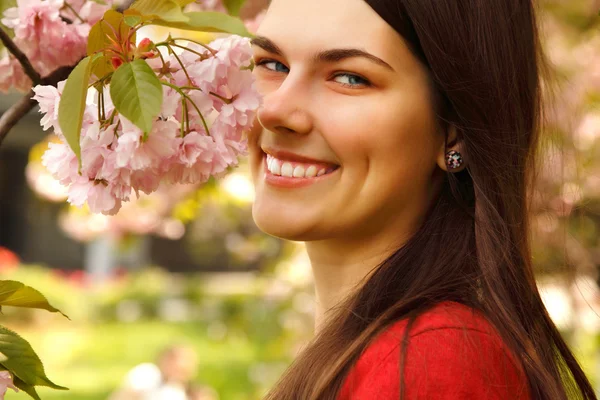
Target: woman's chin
{"points": [[285, 225]]}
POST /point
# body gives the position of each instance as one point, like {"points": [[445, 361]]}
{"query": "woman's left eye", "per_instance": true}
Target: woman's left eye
{"points": [[351, 80]]}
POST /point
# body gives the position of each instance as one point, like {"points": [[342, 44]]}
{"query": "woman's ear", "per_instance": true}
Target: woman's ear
{"points": [[450, 157]]}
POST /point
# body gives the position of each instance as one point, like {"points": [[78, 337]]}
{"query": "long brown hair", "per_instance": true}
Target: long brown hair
{"points": [[485, 62]]}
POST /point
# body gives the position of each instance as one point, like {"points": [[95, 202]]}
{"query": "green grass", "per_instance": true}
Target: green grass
{"points": [[92, 360]]}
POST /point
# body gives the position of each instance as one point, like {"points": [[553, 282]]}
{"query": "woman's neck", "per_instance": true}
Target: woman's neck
{"points": [[340, 268]]}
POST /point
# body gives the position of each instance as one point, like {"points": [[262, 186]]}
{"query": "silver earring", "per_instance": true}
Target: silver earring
{"points": [[454, 160]]}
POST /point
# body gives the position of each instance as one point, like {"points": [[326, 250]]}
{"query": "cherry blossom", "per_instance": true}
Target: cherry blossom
{"points": [[209, 101], [49, 34]]}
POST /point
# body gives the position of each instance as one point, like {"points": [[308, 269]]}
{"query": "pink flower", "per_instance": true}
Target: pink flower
{"points": [[205, 75], [95, 152], [246, 99], [61, 162], [146, 181], [12, 75], [44, 37], [97, 194], [48, 98], [230, 143], [208, 5], [198, 158], [196, 147], [100, 199], [119, 159], [137, 154], [233, 50], [171, 102], [6, 381], [93, 11]]}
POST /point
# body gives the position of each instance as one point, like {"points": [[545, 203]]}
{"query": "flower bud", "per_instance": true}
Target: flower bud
{"points": [[145, 49], [116, 62], [145, 45]]}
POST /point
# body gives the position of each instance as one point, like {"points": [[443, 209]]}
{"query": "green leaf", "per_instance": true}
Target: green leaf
{"points": [[137, 93], [184, 3], [234, 6], [209, 21], [22, 360], [72, 105], [111, 28], [29, 389], [16, 294], [132, 20], [168, 10]]}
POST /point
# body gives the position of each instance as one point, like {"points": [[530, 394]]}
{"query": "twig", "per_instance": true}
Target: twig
{"points": [[74, 12], [18, 110], [21, 57], [14, 114]]}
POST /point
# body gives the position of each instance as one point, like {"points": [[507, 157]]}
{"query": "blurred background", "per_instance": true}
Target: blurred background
{"points": [[183, 282]]}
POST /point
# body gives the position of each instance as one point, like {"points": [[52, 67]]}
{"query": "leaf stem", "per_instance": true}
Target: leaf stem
{"points": [[185, 96], [212, 51], [224, 99], [188, 49], [181, 63], [103, 104]]}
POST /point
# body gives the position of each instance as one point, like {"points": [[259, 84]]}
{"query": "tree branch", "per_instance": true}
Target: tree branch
{"points": [[18, 110], [21, 57], [14, 114]]}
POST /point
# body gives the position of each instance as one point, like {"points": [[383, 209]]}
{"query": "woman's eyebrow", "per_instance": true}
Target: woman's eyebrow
{"points": [[326, 56]]}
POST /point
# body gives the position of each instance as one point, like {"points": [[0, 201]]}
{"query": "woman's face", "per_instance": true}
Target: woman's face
{"points": [[345, 100]]}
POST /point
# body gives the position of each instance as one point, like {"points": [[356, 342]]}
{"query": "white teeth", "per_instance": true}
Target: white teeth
{"points": [[311, 171], [287, 170], [298, 172], [278, 167], [275, 167]]}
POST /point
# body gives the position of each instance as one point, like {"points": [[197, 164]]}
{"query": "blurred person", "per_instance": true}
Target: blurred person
{"points": [[201, 392], [397, 139], [168, 379]]}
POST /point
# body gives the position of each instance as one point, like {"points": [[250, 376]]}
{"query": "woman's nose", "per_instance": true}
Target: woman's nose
{"points": [[285, 110]]}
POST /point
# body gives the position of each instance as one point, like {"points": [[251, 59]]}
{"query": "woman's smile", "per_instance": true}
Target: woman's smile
{"points": [[288, 170]]}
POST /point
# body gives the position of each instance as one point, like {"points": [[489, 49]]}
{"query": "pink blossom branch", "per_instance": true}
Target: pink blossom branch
{"points": [[21, 57], [18, 110]]}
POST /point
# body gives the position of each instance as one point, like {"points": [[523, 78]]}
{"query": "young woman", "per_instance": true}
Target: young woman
{"points": [[396, 139]]}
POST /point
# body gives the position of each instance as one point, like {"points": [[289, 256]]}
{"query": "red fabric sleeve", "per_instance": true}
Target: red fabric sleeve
{"points": [[444, 361], [456, 363]]}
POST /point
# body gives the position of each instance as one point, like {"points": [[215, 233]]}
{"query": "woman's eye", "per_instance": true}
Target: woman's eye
{"points": [[351, 80], [273, 65]]}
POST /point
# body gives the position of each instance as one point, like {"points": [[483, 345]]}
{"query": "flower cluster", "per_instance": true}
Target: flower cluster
{"points": [[51, 33], [209, 101]]}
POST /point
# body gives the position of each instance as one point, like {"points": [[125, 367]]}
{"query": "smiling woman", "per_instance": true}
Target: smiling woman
{"points": [[397, 140]]}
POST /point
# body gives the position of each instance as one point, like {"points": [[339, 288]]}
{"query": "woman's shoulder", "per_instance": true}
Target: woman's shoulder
{"points": [[452, 352]]}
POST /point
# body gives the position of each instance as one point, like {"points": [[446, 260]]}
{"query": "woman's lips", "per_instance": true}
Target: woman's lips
{"points": [[291, 181]]}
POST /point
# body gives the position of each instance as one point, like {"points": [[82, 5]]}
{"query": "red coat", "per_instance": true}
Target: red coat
{"points": [[453, 353]]}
